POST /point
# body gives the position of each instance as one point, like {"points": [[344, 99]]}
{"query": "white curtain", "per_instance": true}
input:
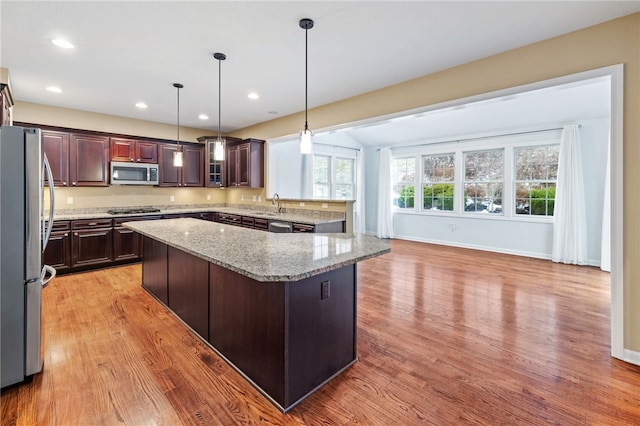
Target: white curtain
{"points": [[569, 218], [360, 227], [385, 218], [307, 176], [605, 250]]}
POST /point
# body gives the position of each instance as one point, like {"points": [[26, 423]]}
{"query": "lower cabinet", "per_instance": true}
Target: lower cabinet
{"points": [[188, 283], [127, 244], [154, 269], [58, 251], [91, 242]]}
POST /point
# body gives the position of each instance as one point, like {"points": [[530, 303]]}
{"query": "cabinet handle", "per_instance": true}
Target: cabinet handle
{"points": [[92, 223], [64, 183], [75, 233], [74, 184], [130, 159], [138, 160], [66, 234]]}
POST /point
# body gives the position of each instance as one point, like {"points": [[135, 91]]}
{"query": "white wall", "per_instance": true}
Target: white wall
{"points": [[515, 236]]}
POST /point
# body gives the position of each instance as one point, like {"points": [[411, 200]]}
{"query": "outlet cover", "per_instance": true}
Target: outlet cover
{"points": [[172, 198], [325, 290], [259, 198], [301, 204], [254, 198], [69, 200], [325, 205], [208, 197]]}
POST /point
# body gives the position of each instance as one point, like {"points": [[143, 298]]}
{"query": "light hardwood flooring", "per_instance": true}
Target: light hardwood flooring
{"points": [[446, 336]]}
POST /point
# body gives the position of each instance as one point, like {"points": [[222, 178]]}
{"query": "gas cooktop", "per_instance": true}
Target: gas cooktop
{"points": [[133, 210]]}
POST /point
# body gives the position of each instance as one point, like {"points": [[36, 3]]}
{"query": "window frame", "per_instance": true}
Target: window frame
{"points": [[332, 172]]}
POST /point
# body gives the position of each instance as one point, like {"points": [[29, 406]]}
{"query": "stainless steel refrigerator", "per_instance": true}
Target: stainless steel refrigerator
{"points": [[23, 238]]}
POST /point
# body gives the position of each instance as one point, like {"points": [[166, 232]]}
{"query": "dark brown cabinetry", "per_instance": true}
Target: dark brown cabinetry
{"points": [[215, 173], [192, 171], [88, 160], [132, 150], [188, 281], [154, 269], [91, 242], [56, 147], [127, 244], [58, 251], [229, 219], [245, 163], [77, 159]]}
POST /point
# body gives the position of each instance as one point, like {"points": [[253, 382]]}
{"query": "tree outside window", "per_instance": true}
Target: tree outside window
{"points": [[345, 179], [404, 177], [536, 176], [484, 181], [321, 173], [438, 182]]}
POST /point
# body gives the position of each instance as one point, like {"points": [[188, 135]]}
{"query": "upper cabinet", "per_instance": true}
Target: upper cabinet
{"points": [[134, 151], [77, 159], [192, 171], [215, 172], [245, 163]]}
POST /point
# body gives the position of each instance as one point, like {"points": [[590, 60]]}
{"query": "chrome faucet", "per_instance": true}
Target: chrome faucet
{"points": [[276, 199]]}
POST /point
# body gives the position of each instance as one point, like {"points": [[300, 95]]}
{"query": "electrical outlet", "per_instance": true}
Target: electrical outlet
{"points": [[301, 204], [241, 197], [325, 205], [172, 198], [255, 198], [69, 200], [325, 290], [208, 197], [259, 198], [453, 227]]}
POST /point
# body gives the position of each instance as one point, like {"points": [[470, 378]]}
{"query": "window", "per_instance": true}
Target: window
{"points": [[333, 177], [403, 174], [536, 175], [438, 175], [483, 181], [321, 173], [345, 179]]}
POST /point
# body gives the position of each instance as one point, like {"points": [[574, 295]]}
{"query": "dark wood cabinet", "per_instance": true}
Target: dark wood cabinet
{"points": [[5, 106], [55, 145], [58, 251], [192, 171], [245, 163], [133, 151], [188, 283], [127, 244], [91, 242], [88, 160]]}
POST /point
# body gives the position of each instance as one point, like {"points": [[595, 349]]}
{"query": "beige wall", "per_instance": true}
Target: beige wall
{"points": [[602, 45]]}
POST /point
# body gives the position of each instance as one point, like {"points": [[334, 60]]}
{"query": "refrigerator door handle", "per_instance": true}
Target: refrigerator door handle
{"points": [[47, 269], [52, 197]]}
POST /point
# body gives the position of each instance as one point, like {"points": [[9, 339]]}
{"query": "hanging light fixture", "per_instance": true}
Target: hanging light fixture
{"points": [[177, 155], [306, 144], [219, 144]]}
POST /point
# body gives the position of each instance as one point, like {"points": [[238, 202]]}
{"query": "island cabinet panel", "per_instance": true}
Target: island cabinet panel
{"points": [[188, 286], [154, 268], [288, 337], [247, 326]]}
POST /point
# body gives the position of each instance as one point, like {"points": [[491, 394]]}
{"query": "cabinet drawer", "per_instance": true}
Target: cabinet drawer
{"points": [[248, 221], [301, 227], [91, 223], [61, 225], [259, 223], [232, 219]]}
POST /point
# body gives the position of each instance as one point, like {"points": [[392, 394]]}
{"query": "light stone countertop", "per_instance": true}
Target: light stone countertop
{"points": [[263, 256], [310, 217]]}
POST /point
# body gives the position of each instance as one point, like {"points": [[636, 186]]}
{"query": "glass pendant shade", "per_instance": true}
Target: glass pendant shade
{"points": [[177, 158], [218, 149], [306, 144]]}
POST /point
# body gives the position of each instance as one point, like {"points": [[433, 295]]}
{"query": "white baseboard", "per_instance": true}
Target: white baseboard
{"points": [[632, 357]]}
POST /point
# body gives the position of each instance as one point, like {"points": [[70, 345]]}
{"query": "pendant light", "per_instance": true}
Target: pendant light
{"points": [[177, 155], [219, 144], [306, 144]]}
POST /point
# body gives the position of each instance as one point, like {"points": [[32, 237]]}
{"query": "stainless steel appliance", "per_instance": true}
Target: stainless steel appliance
{"points": [[133, 173], [23, 238]]}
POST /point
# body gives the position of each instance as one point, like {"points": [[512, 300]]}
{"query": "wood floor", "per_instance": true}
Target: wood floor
{"points": [[446, 336]]}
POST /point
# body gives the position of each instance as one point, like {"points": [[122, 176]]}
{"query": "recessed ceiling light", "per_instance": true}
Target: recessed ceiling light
{"points": [[253, 95], [62, 43], [203, 117], [54, 89], [141, 105]]}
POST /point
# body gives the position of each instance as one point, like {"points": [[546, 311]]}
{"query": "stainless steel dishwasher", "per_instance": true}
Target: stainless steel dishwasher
{"points": [[280, 227]]}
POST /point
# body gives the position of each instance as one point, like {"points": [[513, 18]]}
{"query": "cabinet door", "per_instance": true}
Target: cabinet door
{"points": [[154, 269], [56, 146], [146, 152], [188, 287], [123, 149], [214, 170], [91, 247], [169, 174], [126, 244], [58, 251], [244, 164], [232, 166], [88, 160], [192, 170]]}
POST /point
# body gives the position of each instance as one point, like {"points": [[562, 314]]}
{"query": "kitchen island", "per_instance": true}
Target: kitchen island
{"points": [[280, 308]]}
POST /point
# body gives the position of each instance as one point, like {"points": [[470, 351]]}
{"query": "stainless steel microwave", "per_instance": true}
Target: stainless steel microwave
{"points": [[133, 173]]}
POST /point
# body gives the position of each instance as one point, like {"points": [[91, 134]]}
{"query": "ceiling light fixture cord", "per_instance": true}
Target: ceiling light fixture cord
{"points": [[306, 75], [178, 86], [219, 144], [177, 154]]}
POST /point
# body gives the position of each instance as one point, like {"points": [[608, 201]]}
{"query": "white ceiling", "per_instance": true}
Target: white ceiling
{"points": [[133, 51]]}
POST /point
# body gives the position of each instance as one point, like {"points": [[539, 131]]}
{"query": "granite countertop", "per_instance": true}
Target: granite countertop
{"points": [[262, 256], [310, 217]]}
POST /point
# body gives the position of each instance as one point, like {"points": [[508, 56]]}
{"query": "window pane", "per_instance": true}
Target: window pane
{"points": [[483, 181], [535, 189], [321, 168], [436, 193], [344, 170], [403, 179]]}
